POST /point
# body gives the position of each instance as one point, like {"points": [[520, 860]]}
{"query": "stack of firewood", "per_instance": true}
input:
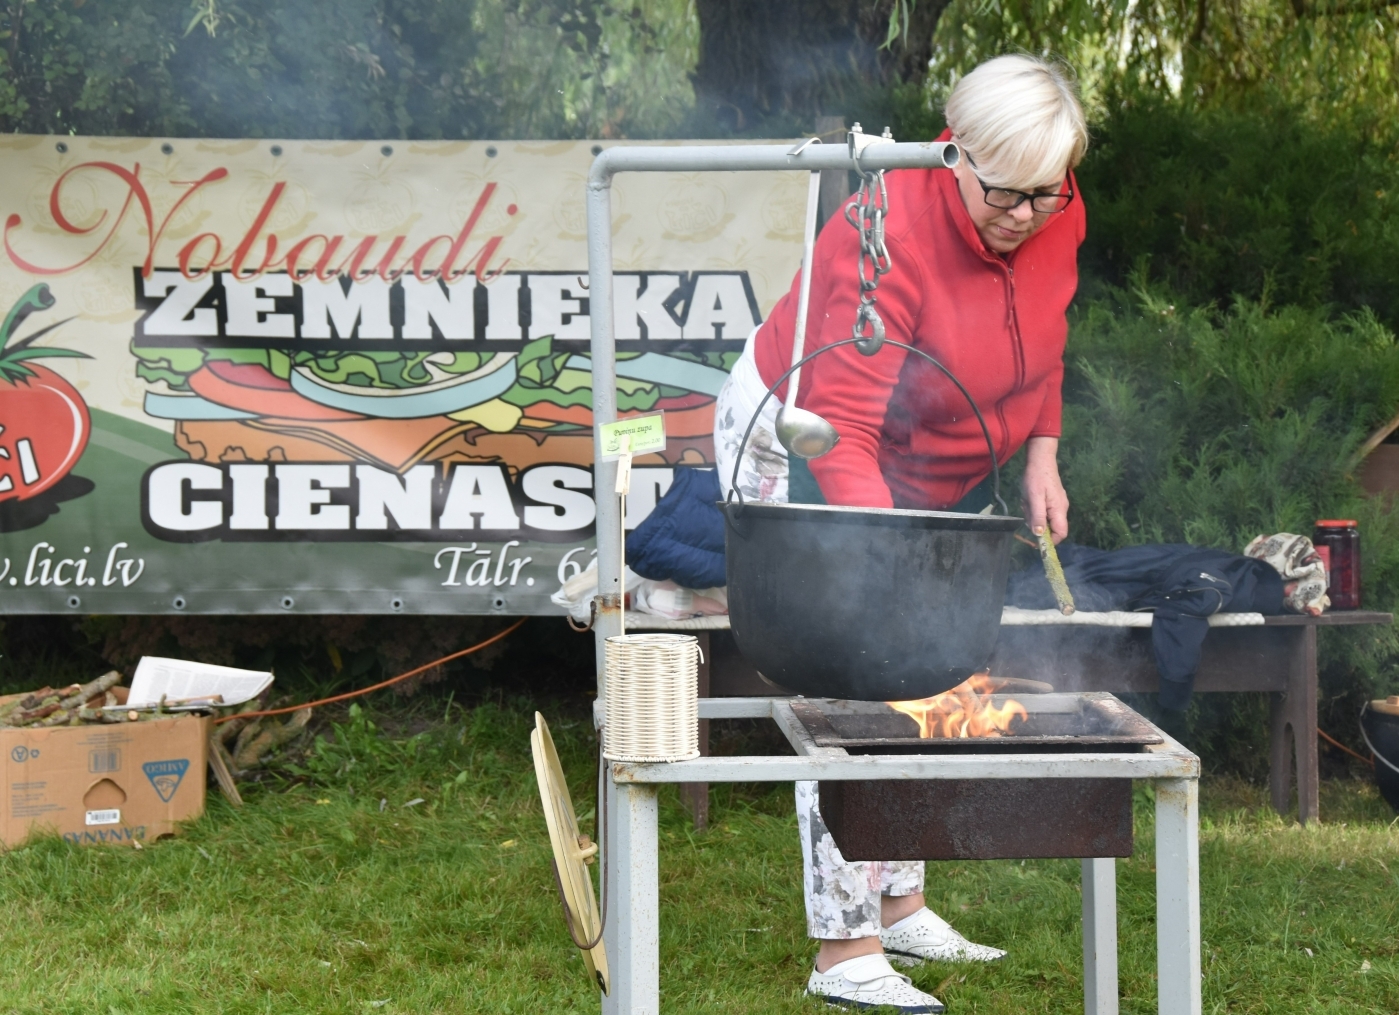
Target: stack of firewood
{"points": [[73, 705]]}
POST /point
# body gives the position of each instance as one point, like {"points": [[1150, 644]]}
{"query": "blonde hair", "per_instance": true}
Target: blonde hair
{"points": [[1019, 119]]}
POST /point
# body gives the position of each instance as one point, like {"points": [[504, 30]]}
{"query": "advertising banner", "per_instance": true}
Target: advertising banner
{"points": [[252, 377]]}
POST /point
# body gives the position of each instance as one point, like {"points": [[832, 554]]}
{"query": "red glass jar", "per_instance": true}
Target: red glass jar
{"points": [[1338, 542]]}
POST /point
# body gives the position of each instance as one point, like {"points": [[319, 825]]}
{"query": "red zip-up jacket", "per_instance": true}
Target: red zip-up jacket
{"points": [[907, 436]]}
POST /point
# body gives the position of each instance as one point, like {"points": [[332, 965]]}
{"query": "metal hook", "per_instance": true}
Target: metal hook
{"points": [[871, 344]]}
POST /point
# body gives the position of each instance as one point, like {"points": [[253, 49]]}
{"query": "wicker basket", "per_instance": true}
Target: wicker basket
{"points": [[652, 698]]}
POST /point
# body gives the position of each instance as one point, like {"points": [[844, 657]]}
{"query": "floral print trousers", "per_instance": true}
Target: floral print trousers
{"points": [[843, 897]]}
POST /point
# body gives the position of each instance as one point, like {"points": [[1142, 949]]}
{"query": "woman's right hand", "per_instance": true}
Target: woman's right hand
{"points": [[1042, 491]]}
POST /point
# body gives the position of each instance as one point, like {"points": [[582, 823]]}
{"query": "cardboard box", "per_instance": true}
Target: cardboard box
{"points": [[103, 783]]}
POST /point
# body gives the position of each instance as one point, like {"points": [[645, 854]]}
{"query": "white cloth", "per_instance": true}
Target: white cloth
{"points": [[660, 599], [762, 475]]}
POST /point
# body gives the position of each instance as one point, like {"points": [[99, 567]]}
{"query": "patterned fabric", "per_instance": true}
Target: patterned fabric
{"points": [[1295, 558], [843, 897], [762, 475]]}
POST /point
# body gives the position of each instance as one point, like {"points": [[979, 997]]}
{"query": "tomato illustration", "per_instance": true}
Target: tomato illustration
{"points": [[44, 422]]}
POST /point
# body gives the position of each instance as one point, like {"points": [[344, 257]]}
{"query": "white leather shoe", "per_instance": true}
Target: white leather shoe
{"points": [[925, 936], [870, 982]]}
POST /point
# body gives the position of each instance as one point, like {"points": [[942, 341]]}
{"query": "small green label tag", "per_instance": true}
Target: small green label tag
{"points": [[647, 434]]}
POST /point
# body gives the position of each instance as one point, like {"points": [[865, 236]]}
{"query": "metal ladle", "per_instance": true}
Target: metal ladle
{"points": [[800, 431]]}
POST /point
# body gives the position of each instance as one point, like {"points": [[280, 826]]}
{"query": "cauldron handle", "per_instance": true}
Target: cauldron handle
{"points": [[985, 430]]}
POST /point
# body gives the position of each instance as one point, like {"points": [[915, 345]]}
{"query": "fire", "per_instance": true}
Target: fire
{"points": [[964, 711]]}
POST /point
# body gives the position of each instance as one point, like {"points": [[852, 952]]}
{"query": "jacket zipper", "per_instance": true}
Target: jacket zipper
{"points": [[1015, 334], [1017, 352]]}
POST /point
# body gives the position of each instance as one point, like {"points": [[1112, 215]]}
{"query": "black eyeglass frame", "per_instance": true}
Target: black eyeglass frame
{"points": [[1022, 196]]}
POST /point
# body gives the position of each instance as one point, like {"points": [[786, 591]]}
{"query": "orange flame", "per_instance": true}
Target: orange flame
{"points": [[964, 711]]}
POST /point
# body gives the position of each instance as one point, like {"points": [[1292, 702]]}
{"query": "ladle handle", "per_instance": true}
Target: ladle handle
{"points": [[813, 204], [985, 430]]}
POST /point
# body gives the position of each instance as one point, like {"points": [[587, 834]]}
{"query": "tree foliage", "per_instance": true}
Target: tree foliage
{"points": [[346, 68], [1327, 57]]}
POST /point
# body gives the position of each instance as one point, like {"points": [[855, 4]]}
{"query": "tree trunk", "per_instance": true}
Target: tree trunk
{"points": [[798, 59]]}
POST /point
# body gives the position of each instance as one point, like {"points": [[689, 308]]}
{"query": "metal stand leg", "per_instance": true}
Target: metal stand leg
{"points": [[1100, 936], [696, 794], [1177, 896], [633, 934]]}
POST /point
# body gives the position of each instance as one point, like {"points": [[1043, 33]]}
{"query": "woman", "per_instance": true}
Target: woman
{"points": [[983, 269]]}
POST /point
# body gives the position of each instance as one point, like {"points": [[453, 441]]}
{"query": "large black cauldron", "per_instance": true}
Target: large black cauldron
{"points": [[872, 604]]}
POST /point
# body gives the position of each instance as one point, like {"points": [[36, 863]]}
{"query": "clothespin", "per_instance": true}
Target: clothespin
{"points": [[624, 466]]}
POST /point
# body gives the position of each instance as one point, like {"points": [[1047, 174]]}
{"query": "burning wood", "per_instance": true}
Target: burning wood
{"points": [[965, 711]]}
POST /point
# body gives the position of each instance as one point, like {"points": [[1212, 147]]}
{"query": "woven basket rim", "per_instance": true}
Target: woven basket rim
{"points": [[653, 638]]}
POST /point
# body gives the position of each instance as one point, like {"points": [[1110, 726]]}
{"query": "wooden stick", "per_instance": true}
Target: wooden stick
{"points": [[218, 763], [81, 694], [1054, 571], [34, 715]]}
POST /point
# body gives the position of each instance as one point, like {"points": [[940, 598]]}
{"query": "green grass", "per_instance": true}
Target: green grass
{"points": [[313, 899]]}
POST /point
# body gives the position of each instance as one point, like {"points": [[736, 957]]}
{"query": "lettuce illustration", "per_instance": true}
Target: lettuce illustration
{"points": [[542, 373]]}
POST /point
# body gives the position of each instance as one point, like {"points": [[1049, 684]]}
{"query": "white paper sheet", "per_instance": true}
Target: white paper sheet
{"points": [[177, 679]]}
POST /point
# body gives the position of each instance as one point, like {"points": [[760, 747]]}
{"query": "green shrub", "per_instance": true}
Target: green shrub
{"points": [[1257, 202]]}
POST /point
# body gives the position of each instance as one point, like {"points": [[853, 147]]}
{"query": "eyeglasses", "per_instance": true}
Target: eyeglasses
{"points": [[1043, 204], [1006, 199]]}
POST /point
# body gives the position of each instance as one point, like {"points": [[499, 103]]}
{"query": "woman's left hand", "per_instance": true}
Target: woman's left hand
{"points": [[1044, 498]]}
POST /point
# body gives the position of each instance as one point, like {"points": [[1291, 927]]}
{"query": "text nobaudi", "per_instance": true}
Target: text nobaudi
{"points": [[307, 501]]}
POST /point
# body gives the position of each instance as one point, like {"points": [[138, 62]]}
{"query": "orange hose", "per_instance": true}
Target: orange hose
{"points": [[392, 680], [1336, 743]]}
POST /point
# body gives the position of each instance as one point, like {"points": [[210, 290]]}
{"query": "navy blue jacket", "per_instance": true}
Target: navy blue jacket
{"points": [[1183, 585], [682, 539]]}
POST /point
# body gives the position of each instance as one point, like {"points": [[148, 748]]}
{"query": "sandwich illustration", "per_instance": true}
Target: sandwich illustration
{"points": [[403, 407]]}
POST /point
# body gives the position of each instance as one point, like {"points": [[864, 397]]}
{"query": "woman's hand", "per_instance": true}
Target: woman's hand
{"points": [[1044, 498]]}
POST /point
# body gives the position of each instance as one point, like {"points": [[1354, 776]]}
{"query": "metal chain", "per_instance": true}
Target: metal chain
{"points": [[867, 213]]}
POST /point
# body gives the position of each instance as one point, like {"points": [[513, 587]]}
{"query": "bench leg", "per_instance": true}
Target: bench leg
{"points": [[696, 794], [1292, 728], [1279, 753], [1178, 897], [1303, 690], [1100, 936]]}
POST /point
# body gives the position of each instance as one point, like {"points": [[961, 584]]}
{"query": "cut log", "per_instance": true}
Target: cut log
{"points": [[83, 693]]}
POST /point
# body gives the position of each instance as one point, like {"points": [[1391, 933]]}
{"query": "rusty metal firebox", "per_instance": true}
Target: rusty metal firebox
{"points": [[978, 819]]}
